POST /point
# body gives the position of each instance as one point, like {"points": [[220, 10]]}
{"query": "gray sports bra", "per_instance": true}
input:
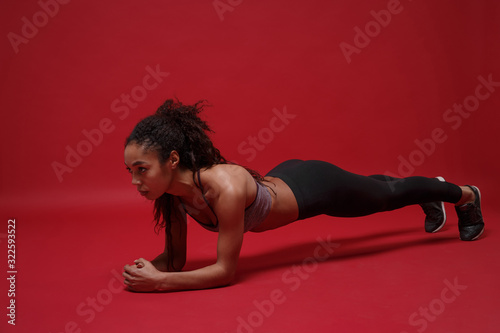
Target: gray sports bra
{"points": [[255, 214]]}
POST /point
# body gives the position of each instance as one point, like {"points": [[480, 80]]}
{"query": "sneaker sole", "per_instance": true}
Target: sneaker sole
{"points": [[444, 219], [442, 208], [473, 239]]}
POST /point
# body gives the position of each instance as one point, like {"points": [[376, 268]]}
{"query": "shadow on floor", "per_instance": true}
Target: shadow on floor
{"points": [[336, 249]]}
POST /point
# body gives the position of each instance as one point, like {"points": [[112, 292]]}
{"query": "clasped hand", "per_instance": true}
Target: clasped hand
{"points": [[142, 276]]}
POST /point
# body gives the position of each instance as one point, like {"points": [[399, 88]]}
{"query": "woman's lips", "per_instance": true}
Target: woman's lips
{"points": [[143, 193]]}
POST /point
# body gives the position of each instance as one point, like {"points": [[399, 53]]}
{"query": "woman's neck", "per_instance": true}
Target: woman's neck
{"points": [[183, 184]]}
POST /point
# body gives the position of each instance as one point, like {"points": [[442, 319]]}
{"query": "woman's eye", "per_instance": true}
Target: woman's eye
{"points": [[128, 170], [142, 170]]}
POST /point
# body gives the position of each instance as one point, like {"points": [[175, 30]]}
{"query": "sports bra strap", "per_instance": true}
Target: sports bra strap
{"points": [[206, 201]]}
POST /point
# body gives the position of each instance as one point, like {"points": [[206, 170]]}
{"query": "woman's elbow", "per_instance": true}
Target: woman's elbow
{"points": [[228, 277]]}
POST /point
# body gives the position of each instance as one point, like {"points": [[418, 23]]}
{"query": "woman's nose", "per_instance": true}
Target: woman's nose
{"points": [[135, 181]]}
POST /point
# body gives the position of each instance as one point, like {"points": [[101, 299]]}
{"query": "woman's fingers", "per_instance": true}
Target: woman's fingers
{"points": [[139, 276], [130, 269], [140, 263], [130, 275]]}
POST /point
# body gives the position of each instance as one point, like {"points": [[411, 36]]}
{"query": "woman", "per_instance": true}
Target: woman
{"points": [[174, 163]]}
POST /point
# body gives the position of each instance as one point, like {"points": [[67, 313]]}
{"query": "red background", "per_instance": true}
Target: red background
{"points": [[248, 59]]}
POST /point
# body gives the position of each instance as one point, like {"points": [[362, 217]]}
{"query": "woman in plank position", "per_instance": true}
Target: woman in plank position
{"points": [[173, 162]]}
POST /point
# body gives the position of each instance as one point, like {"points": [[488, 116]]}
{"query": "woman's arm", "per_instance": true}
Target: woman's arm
{"points": [[229, 209], [230, 212], [179, 235]]}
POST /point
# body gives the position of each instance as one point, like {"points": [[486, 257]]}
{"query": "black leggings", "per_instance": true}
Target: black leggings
{"points": [[323, 188]]}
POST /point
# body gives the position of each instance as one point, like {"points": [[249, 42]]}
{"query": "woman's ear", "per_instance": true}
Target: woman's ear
{"points": [[174, 159]]}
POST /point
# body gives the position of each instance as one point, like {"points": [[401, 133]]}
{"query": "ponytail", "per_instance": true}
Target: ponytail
{"points": [[197, 150]]}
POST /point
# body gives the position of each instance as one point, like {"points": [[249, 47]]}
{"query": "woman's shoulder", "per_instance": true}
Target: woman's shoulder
{"points": [[227, 172], [225, 176]]}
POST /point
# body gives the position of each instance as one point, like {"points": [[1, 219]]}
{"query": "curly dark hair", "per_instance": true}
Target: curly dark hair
{"points": [[178, 127]]}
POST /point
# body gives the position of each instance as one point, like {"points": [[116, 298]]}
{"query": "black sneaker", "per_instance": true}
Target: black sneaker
{"points": [[435, 215], [470, 218]]}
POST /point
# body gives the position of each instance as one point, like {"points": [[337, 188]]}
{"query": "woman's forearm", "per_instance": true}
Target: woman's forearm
{"points": [[207, 277]]}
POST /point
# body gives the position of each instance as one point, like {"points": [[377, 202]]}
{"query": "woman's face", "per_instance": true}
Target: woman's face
{"points": [[151, 178]]}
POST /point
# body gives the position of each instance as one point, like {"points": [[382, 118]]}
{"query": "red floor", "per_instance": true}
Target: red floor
{"points": [[374, 274], [374, 86]]}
